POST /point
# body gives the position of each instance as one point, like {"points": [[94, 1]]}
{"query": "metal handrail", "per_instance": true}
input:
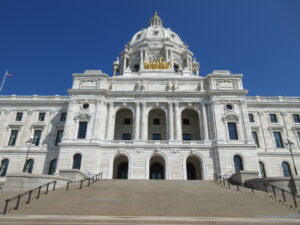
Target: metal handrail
{"points": [[220, 179], [283, 192], [19, 196], [91, 180]]}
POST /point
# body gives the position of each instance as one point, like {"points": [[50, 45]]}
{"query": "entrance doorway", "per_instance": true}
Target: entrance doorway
{"points": [[120, 170], [157, 168], [193, 168]]}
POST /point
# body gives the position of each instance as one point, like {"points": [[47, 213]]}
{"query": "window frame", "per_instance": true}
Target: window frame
{"points": [[257, 141], [57, 139], [127, 121], [17, 116], [186, 121], [156, 119], [79, 128], [236, 129], [298, 116], [289, 168], [126, 134], [156, 134], [41, 117], [281, 139], [275, 116], [251, 118], [37, 141], [63, 116], [15, 140], [187, 134]]}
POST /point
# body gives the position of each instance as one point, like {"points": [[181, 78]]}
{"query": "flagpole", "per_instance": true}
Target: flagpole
{"points": [[3, 81]]}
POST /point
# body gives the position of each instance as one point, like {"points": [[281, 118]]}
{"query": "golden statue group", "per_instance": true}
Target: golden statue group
{"points": [[157, 64]]}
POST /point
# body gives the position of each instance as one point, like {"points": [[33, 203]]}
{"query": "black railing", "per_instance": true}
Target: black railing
{"points": [[88, 181], [38, 190], [278, 193]]}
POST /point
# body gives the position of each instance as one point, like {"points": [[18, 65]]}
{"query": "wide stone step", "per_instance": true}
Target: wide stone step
{"points": [[153, 198]]}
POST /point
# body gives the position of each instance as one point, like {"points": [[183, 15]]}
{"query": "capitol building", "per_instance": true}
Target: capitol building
{"points": [[155, 117]]}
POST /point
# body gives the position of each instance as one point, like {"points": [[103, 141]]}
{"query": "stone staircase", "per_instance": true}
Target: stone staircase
{"points": [[152, 202]]}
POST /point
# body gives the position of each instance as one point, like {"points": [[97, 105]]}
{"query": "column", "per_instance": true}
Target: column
{"points": [[109, 128], [141, 60], [144, 128], [100, 120], [178, 131], [137, 122], [171, 127], [204, 121]]}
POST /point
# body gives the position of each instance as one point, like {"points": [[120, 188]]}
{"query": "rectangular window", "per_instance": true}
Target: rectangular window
{"points": [[278, 139], [296, 118], [37, 137], [19, 116], [13, 138], [63, 116], [185, 121], [41, 116], [186, 137], [126, 136], [156, 136], [251, 118], [156, 121], [255, 138], [298, 133], [127, 121], [58, 137], [82, 130], [273, 118], [232, 131]]}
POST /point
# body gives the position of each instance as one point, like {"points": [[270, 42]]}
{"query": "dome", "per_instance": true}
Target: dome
{"points": [[158, 49], [156, 32]]}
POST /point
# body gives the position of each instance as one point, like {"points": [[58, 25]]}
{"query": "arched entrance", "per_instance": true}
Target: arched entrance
{"points": [[190, 125], [157, 168], [193, 168], [120, 170], [157, 125], [123, 125]]}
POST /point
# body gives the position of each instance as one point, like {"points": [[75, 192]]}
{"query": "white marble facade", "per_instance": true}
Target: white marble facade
{"points": [[142, 120]]}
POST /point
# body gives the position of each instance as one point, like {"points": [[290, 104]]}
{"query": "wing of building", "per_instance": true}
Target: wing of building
{"points": [[155, 118]]}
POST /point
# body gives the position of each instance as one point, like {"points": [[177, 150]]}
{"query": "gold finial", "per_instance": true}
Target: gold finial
{"points": [[156, 20]]}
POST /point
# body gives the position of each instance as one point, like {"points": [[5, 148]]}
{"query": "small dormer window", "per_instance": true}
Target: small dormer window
{"points": [[138, 36], [172, 35], [156, 32]]}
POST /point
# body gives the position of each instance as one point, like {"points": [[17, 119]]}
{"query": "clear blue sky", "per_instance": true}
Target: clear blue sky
{"points": [[43, 42]]}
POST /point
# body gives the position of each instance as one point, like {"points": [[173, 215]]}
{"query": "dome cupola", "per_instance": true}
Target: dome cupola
{"points": [[156, 49]]}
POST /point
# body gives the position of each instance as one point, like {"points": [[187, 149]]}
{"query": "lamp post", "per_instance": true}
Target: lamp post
{"points": [[290, 144], [29, 143]]}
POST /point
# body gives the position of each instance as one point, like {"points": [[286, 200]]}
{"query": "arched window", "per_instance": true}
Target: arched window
{"points": [[77, 161], [262, 169], [28, 166], [52, 167], [286, 170], [3, 168], [238, 163]]}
